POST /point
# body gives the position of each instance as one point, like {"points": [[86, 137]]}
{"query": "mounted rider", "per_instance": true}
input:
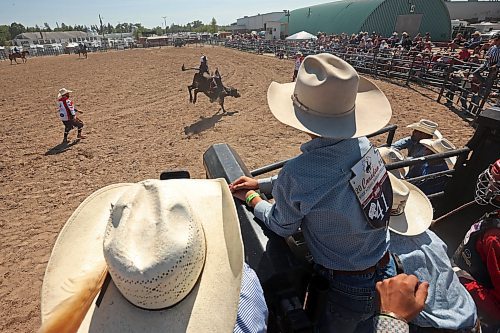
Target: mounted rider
{"points": [[203, 64]]}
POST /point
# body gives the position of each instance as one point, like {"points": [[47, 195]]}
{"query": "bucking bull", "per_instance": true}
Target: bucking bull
{"points": [[211, 86]]}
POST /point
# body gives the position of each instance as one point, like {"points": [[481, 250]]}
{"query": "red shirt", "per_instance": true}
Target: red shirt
{"points": [[488, 300]]}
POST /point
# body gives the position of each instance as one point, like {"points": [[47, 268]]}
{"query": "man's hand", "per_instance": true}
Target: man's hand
{"points": [[241, 194], [244, 183], [402, 295]]}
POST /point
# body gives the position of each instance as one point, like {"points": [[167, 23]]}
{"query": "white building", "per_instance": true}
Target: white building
{"points": [[475, 11], [48, 38], [270, 23]]}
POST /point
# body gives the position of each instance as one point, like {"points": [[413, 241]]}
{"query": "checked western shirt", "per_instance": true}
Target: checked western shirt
{"points": [[313, 192]]}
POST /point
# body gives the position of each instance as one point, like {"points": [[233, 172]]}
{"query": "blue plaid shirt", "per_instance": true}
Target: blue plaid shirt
{"points": [[448, 305], [313, 192]]}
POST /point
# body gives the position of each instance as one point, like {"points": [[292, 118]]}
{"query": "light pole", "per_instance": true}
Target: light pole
{"points": [[165, 20], [287, 14]]}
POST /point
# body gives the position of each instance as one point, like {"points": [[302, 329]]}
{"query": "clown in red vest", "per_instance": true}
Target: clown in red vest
{"points": [[67, 114]]}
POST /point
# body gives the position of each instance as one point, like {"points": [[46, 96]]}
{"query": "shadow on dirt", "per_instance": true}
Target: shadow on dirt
{"points": [[206, 123], [61, 148]]}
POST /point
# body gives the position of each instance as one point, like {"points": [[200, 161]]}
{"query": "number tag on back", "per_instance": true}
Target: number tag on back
{"points": [[373, 188]]}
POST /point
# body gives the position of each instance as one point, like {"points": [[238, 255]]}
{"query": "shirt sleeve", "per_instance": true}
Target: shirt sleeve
{"points": [[266, 184], [402, 143], [385, 324], [284, 216], [252, 309], [488, 300]]}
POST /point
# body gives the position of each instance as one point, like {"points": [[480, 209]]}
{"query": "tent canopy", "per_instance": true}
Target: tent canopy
{"points": [[302, 35]]}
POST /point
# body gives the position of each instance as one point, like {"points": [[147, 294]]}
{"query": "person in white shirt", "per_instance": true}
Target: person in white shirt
{"points": [[67, 114]]}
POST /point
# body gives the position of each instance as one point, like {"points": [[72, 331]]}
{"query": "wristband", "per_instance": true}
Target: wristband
{"points": [[251, 197], [392, 315]]}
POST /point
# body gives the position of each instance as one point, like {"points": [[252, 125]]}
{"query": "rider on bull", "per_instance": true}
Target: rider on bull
{"points": [[203, 64]]}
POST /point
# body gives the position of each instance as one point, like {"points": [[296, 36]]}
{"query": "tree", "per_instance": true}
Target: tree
{"points": [[213, 25], [197, 24], [4, 35], [47, 27], [16, 29]]}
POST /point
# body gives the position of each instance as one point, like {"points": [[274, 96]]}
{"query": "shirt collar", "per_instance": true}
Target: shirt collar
{"points": [[318, 143]]}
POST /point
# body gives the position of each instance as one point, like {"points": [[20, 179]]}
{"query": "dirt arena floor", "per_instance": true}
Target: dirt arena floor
{"points": [[138, 122]]}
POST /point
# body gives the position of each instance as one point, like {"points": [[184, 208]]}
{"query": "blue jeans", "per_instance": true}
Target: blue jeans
{"points": [[352, 300]]}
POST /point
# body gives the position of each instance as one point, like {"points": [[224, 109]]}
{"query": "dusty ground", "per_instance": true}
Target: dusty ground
{"points": [[139, 121]]}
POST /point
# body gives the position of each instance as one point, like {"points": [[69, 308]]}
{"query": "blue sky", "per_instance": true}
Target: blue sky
{"points": [[148, 12]]}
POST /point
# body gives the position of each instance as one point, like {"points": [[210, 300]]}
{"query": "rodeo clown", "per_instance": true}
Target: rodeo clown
{"points": [[67, 114]]}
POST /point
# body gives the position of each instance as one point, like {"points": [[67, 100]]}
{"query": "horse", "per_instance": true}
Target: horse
{"points": [[204, 83], [82, 52], [22, 55]]}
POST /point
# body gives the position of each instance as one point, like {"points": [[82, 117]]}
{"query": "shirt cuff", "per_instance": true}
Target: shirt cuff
{"points": [[385, 324], [265, 185], [261, 209]]}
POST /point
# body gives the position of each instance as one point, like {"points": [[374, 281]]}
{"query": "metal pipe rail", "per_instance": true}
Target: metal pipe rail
{"points": [[390, 129]]}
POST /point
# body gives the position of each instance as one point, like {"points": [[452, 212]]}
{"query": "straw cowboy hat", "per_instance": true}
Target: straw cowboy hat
{"points": [[411, 212], [63, 91], [477, 33], [392, 155], [426, 126], [441, 145], [171, 246], [329, 99]]}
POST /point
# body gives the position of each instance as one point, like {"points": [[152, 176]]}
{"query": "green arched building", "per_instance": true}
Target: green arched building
{"points": [[382, 16]]}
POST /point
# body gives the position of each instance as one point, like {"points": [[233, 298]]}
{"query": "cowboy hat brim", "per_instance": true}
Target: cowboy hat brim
{"points": [[81, 242], [372, 112], [417, 214], [450, 161]]}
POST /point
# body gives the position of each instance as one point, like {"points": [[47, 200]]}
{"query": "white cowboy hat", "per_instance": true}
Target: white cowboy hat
{"points": [[393, 155], [426, 126], [411, 212], [63, 91], [170, 246], [329, 99], [441, 145]]}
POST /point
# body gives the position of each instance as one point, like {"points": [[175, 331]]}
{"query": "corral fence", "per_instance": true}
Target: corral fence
{"points": [[453, 80]]}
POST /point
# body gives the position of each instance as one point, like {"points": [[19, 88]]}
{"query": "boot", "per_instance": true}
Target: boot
{"points": [[65, 139], [80, 135]]}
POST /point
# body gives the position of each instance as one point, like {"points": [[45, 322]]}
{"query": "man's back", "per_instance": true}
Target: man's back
{"points": [[313, 191]]}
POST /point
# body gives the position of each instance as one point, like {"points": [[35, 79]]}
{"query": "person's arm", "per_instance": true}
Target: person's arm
{"points": [[488, 300], [401, 300], [284, 216], [403, 143]]}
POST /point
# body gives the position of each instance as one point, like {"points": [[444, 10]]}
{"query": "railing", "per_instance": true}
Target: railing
{"points": [[391, 130], [450, 79]]}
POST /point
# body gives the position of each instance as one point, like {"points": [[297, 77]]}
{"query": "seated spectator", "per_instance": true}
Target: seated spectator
{"points": [[464, 55], [424, 129], [474, 41], [392, 155], [394, 39], [406, 42], [436, 146], [422, 253], [478, 256]]}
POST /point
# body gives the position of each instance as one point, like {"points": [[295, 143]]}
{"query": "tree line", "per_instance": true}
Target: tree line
{"points": [[9, 32]]}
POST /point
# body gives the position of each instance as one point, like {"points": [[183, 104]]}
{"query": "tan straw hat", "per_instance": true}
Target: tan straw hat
{"points": [[441, 145], [392, 155], [329, 99], [63, 91], [171, 246], [426, 126], [411, 212]]}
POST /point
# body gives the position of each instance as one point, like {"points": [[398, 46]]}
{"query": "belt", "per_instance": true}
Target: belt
{"points": [[381, 263]]}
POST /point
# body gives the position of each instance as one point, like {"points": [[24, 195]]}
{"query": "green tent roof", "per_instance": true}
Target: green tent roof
{"points": [[353, 16], [333, 17]]}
